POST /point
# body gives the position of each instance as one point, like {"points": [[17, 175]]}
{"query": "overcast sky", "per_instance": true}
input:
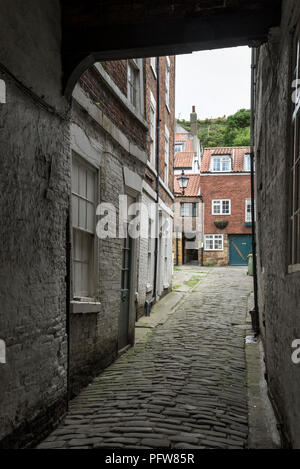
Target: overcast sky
{"points": [[217, 82]]}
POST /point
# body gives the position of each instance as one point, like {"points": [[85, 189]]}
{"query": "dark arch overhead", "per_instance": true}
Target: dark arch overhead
{"points": [[95, 30]]}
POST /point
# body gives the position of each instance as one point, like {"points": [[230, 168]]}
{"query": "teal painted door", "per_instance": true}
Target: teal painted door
{"points": [[240, 246]]}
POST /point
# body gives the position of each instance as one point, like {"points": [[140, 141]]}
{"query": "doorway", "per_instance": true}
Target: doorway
{"points": [[240, 246], [125, 292]]}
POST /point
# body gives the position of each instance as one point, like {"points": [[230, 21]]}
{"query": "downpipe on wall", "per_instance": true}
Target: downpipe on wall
{"points": [[255, 312]]}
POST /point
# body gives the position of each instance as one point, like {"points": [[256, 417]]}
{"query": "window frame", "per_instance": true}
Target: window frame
{"points": [[213, 237], [152, 132], [221, 201], [247, 158], [79, 231], [134, 85], [167, 156], [153, 66], [167, 82], [194, 209], [294, 165], [221, 158], [182, 144]]}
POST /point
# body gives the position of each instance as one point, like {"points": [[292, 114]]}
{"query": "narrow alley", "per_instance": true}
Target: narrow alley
{"points": [[183, 385]]}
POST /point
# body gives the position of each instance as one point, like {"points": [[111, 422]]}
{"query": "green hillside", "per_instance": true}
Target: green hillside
{"points": [[231, 131]]}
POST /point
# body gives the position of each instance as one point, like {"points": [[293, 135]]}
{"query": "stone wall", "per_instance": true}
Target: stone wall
{"points": [[35, 185], [279, 292], [217, 257]]}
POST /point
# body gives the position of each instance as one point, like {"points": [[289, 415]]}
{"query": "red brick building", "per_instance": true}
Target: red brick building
{"points": [[226, 190]]}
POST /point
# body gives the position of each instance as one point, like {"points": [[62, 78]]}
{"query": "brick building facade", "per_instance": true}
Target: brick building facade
{"points": [[226, 189], [155, 277], [108, 142]]}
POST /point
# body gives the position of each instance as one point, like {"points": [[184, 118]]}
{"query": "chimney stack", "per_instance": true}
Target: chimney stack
{"points": [[194, 122]]}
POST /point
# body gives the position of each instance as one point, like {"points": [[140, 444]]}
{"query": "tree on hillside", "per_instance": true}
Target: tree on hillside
{"points": [[231, 131]]}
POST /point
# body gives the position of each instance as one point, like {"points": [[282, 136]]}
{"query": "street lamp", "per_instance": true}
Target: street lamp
{"points": [[183, 181]]}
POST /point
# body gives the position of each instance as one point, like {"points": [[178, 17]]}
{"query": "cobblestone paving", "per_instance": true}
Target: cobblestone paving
{"points": [[184, 388]]}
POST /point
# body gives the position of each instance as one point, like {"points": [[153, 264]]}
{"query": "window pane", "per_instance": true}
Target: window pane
{"points": [[84, 280], [77, 278], [216, 207], [226, 207], [75, 208], [82, 181], [90, 217], [216, 164], [75, 178], [82, 214], [91, 186]]}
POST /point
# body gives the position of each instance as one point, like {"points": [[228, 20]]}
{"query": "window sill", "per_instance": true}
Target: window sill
{"points": [[292, 269], [85, 307], [221, 214]]}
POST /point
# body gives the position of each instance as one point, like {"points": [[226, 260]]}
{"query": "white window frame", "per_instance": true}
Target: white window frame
{"points": [[182, 144], [86, 233], [167, 156], [248, 203], [294, 166], [168, 66], [213, 237], [223, 159], [247, 163], [149, 258], [221, 203], [152, 129], [133, 85], [191, 212], [153, 65]]}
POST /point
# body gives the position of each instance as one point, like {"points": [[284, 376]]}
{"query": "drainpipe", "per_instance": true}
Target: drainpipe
{"points": [[255, 312], [157, 177]]}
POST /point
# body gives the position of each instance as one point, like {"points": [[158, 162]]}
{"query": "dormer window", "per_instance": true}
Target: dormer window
{"points": [[179, 147], [247, 163], [221, 164]]}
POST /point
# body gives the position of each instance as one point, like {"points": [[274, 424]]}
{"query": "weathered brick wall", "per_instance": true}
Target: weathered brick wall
{"points": [[279, 292], [113, 108], [117, 70], [34, 187], [237, 189]]}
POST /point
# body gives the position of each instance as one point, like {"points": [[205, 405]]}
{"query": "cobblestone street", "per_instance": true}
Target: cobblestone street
{"points": [[183, 386]]}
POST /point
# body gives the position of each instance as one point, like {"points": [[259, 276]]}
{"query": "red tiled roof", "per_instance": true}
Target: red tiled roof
{"points": [[236, 153], [184, 159], [193, 187]]}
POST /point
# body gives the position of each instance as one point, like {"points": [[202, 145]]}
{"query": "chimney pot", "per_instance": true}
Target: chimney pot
{"points": [[194, 109]]}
